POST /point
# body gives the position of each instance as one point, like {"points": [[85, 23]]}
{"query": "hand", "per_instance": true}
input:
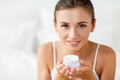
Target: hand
{"points": [[64, 72], [85, 71]]}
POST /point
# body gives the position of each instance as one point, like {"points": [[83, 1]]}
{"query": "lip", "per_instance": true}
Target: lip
{"points": [[73, 43]]}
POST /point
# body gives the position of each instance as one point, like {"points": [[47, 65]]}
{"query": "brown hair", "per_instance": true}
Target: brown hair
{"points": [[68, 4]]}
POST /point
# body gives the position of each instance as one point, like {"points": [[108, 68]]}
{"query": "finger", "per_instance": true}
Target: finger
{"points": [[59, 62], [66, 73], [63, 70], [72, 71], [59, 67], [70, 77]]}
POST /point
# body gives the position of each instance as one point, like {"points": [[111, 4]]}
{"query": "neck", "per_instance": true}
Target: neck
{"points": [[84, 51]]}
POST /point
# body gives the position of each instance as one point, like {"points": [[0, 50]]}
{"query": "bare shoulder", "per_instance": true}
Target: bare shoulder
{"points": [[45, 51], [44, 59], [107, 52], [107, 58], [46, 47]]}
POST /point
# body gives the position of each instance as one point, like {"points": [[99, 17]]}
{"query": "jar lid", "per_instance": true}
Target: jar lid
{"points": [[70, 58]]}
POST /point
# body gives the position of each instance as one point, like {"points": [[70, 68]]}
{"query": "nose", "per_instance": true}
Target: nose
{"points": [[73, 33]]}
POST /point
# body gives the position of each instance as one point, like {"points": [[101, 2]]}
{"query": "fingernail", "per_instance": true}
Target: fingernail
{"points": [[66, 67], [61, 65], [77, 69], [73, 70], [81, 61], [70, 77]]}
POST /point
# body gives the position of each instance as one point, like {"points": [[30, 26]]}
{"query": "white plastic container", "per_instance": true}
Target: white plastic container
{"points": [[71, 61]]}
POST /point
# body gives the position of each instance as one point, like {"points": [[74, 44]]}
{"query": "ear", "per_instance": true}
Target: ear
{"points": [[93, 25]]}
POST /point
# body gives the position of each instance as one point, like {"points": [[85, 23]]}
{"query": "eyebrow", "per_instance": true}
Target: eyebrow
{"points": [[77, 23], [64, 22], [82, 22]]}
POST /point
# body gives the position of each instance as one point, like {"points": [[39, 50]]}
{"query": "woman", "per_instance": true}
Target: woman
{"points": [[74, 20]]}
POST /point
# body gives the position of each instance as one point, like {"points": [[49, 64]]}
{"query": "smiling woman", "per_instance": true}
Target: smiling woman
{"points": [[72, 24], [74, 20]]}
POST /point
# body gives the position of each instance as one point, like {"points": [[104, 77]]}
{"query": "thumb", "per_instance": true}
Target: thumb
{"points": [[60, 62]]}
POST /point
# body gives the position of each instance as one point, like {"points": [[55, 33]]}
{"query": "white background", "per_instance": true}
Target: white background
{"points": [[107, 15]]}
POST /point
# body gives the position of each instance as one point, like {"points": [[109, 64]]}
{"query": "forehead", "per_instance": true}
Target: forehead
{"points": [[73, 14]]}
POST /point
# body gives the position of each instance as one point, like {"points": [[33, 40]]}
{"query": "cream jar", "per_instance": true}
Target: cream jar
{"points": [[71, 61]]}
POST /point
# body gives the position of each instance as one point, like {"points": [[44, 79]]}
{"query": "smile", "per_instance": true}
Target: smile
{"points": [[73, 43]]}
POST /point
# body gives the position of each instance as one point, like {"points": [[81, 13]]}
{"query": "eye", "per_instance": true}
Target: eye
{"points": [[82, 26], [65, 26]]}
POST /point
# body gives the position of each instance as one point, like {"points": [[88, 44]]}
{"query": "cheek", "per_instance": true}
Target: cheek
{"points": [[85, 34], [61, 34]]}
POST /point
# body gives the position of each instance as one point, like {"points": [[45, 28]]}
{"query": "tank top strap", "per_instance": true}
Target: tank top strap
{"points": [[54, 54], [95, 58]]}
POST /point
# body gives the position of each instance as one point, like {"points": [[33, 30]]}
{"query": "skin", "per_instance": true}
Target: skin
{"points": [[74, 27]]}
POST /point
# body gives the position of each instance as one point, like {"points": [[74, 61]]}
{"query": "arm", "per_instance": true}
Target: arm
{"points": [[109, 65], [43, 71]]}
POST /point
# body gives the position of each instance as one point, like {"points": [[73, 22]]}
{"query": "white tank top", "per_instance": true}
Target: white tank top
{"points": [[54, 71]]}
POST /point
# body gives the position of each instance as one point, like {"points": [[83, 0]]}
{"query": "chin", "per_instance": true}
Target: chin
{"points": [[73, 49]]}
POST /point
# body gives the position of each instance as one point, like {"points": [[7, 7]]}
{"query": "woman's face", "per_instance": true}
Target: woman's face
{"points": [[73, 27]]}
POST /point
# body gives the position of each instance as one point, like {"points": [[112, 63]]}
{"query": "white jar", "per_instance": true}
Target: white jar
{"points": [[71, 61]]}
